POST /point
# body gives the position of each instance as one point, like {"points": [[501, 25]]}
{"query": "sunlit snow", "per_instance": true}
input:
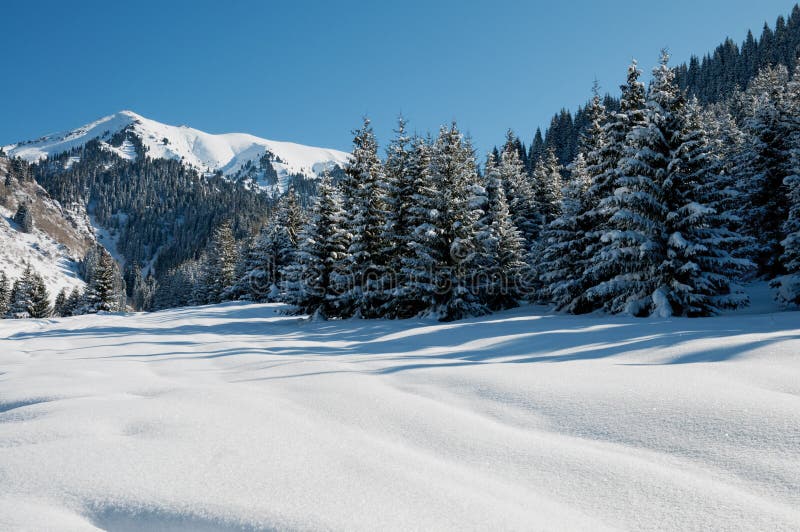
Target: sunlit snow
{"points": [[236, 417]]}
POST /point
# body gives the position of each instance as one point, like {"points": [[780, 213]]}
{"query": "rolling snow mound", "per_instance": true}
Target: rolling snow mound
{"points": [[235, 417]]}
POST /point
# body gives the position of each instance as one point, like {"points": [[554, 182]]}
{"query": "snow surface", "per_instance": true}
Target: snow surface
{"points": [[235, 417], [204, 151]]}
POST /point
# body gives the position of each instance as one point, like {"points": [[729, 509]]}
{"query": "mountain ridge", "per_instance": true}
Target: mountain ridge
{"points": [[228, 153]]}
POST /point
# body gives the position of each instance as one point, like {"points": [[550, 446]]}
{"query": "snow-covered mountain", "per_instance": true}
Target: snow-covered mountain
{"points": [[228, 153], [59, 238]]}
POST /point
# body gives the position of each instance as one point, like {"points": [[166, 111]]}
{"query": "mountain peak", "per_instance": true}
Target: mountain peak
{"points": [[206, 152]]}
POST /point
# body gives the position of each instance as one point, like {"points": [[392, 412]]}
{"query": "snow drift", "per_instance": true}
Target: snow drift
{"points": [[235, 417]]}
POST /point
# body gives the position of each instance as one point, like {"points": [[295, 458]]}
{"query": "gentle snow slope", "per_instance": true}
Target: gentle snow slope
{"points": [[233, 417], [207, 152]]}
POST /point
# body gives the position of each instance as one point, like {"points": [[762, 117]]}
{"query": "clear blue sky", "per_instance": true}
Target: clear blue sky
{"points": [[308, 71]]}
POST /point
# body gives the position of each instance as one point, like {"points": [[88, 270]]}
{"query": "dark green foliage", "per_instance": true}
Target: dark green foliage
{"points": [[157, 207], [5, 294], [24, 218]]}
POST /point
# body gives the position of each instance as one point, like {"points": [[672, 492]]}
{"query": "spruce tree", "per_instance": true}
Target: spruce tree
{"points": [[398, 226], [365, 197], [73, 304], [24, 218], [638, 238], [308, 282], [220, 264], [60, 303], [270, 252], [20, 298], [103, 292], [5, 294], [501, 264], [418, 290], [564, 243], [789, 284], [454, 174], [519, 191], [765, 163], [606, 169], [579, 227], [547, 187], [698, 271], [39, 298]]}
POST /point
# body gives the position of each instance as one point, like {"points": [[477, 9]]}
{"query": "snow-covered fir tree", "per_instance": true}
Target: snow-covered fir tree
{"points": [[417, 290], [24, 217], [501, 267], [72, 306], [308, 281], [219, 273], [547, 183], [399, 179], [60, 303], [272, 251], [698, 274], [39, 298], [105, 289], [765, 163], [519, 191], [575, 231], [564, 243], [364, 190], [5, 294], [788, 284], [604, 167], [667, 247], [19, 303], [454, 226]]}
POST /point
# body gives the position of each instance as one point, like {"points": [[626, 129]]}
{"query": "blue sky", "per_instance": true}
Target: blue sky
{"points": [[308, 71]]}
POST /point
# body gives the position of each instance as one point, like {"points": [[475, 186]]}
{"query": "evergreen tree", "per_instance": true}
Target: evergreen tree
{"points": [[60, 303], [698, 270], [578, 229], [500, 262], [220, 265], [547, 187], [24, 218], [5, 294], [604, 165], [636, 241], [149, 292], [74, 302], [454, 175], [271, 251], [519, 191], [39, 298], [765, 164], [105, 289], [308, 282], [564, 243], [365, 197], [135, 284], [789, 284], [20, 298], [418, 289], [397, 229]]}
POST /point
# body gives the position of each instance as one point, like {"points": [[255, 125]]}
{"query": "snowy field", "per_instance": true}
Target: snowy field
{"points": [[233, 417]]}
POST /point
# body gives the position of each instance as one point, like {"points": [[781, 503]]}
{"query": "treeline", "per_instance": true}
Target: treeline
{"points": [[29, 297], [713, 78], [666, 207]]}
